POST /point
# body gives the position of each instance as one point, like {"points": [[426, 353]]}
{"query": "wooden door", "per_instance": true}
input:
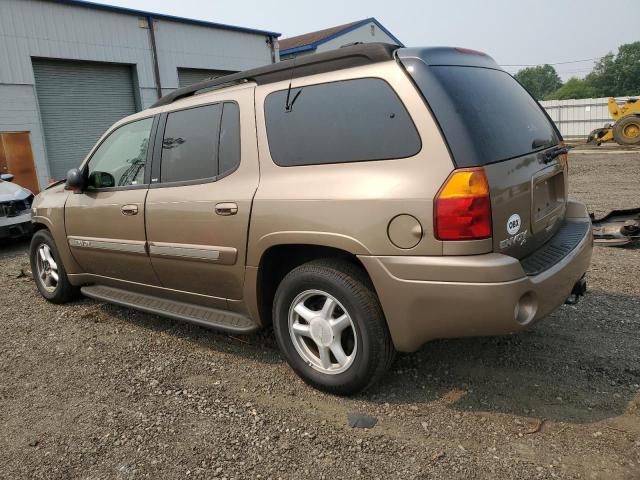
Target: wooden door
{"points": [[16, 158]]}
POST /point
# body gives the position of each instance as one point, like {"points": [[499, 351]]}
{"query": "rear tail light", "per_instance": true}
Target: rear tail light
{"points": [[463, 206]]}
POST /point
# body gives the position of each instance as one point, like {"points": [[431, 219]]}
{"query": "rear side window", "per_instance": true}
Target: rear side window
{"points": [[229, 152], [347, 121], [190, 144], [485, 114], [201, 143]]}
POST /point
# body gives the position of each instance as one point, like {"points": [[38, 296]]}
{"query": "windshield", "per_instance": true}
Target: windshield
{"points": [[485, 114]]}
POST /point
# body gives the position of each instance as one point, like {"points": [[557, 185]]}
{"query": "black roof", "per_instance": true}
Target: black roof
{"points": [[345, 57]]}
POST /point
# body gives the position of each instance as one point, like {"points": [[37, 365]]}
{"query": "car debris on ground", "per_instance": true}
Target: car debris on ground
{"points": [[618, 228]]}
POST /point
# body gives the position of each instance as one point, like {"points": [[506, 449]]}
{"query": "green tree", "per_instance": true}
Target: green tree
{"points": [[602, 78], [540, 81], [619, 75], [573, 88]]}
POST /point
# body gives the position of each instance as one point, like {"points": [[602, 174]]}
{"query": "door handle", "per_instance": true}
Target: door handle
{"points": [[129, 210], [226, 208]]}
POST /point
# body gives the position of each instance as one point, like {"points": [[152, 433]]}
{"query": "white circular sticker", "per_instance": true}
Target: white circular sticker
{"points": [[513, 224]]}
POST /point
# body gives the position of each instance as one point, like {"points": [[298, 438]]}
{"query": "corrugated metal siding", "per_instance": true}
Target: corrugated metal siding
{"points": [[189, 46], [45, 29], [577, 118], [49, 29], [78, 102], [189, 76]]}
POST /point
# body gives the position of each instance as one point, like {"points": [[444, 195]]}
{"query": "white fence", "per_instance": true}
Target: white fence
{"points": [[577, 118]]}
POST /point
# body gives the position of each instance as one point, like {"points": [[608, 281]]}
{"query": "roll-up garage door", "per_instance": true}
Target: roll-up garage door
{"points": [[189, 76], [78, 102]]}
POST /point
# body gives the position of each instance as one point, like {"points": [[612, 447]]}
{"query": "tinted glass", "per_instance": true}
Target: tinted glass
{"points": [[190, 144], [499, 116], [229, 152], [348, 121], [120, 159]]}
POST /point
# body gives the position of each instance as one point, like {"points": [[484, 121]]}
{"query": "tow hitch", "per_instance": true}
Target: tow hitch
{"points": [[579, 290]]}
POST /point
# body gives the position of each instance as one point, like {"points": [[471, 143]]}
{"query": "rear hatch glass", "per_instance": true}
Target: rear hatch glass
{"points": [[488, 119], [493, 111]]}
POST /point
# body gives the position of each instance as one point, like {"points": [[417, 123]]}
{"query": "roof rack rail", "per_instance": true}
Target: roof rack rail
{"points": [[346, 57]]}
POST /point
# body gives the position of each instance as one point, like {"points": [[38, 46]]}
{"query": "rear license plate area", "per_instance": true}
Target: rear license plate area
{"points": [[548, 198]]}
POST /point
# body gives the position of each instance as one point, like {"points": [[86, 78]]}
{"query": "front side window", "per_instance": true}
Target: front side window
{"points": [[346, 121], [121, 158]]}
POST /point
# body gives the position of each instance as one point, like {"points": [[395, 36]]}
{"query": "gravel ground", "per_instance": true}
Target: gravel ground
{"points": [[90, 390]]}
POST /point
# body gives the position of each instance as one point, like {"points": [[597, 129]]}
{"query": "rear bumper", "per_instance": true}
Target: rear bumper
{"points": [[426, 298]]}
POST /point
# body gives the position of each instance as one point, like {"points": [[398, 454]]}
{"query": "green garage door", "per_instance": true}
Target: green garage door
{"points": [[78, 102], [189, 76]]}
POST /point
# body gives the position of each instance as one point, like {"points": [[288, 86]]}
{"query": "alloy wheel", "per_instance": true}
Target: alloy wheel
{"points": [[322, 332], [47, 268]]}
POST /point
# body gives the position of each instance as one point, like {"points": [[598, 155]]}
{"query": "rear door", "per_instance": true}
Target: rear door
{"points": [[199, 203], [491, 121]]}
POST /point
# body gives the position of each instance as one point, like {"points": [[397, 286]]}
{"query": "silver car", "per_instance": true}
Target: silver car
{"points": [[15, 209]]}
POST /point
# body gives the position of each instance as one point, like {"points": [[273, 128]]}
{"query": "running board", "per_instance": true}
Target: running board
{"points": [[230, 322]]}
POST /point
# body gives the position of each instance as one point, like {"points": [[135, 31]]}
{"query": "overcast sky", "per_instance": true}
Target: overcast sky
{"points": [[512, 31]]}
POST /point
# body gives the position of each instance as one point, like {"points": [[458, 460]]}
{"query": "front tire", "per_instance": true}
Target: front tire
{"points": [[48, 270], [330, 327]]}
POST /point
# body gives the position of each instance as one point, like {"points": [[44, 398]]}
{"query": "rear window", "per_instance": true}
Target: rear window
{"points": [[347, 121], [485, 114]]}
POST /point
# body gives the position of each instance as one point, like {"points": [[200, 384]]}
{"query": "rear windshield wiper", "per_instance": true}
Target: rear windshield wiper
{"points": [[540, 143], [555, 152]]}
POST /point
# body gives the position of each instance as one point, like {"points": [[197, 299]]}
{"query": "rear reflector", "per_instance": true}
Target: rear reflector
{"points": [[463, 206]]}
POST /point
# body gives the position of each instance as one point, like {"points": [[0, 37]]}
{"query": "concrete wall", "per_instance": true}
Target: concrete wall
{"points": [[39, 28], [577, 118]]}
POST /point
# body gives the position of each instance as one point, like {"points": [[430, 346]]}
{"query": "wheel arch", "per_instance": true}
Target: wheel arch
{"points": [[278, 260], [41, 223]]}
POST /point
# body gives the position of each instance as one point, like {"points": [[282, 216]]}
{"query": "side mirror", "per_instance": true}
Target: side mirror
{"points": [[101, 180], [7, 177], [75, 181]]}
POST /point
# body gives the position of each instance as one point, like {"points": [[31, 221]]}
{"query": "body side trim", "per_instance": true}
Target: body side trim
{"points": [[183, 251], [137, 247]]}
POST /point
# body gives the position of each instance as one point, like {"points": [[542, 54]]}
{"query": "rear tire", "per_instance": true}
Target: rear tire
{"points": [[347, 348], [627, 130], [48, 270]]}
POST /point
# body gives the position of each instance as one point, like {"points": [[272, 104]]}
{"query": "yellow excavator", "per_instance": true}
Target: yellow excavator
{"points": [[626, 127]]}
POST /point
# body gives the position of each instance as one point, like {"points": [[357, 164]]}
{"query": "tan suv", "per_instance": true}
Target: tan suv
{"points": [[362, 201]]}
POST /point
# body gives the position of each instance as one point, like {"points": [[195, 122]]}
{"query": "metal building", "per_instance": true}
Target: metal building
{"points": [[361, 31], [578, 117], [69, 69]]}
